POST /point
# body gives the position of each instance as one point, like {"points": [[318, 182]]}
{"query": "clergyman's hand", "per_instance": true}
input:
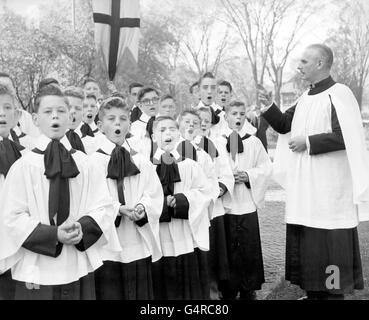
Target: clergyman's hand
{"points": [[297, 144]]}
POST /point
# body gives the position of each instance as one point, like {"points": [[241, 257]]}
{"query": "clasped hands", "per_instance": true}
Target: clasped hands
{"points": [[70, 233], [134, 214], [241, 177]]}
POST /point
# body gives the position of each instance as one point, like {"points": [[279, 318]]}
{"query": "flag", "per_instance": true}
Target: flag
{"points": [[117, 31]]}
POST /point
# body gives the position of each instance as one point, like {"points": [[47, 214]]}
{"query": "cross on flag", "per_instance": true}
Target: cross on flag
{"points": [[117, 31]]}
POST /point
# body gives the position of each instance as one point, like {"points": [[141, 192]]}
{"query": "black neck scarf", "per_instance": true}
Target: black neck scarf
{"points": [[15, 137], [235, 144], [59, 167], [168, 173], [208, 146], [149, 130], [187, 151], [136, 114], [75, 141], [10, 152], [120, 166], [86, 130], [215, 115]]}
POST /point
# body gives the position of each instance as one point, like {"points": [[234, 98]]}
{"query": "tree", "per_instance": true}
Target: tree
{"points": [[263, 23], [350, 43]]}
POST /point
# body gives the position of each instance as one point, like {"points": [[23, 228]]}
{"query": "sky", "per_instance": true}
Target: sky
{"points": [[316, 30]]}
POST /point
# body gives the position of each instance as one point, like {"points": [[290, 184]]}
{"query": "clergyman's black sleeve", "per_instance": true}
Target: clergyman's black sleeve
{"points": [[91, 233], [279, 121], [328, 142], [43, 240]]}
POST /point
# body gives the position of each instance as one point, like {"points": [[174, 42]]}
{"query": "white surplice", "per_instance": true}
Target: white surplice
{"points": [[256, 163], [181, 236], [330, 190], [144, 188], [24, 202]]}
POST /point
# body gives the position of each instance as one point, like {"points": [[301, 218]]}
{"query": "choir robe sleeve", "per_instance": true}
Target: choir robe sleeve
{"points": [[328, 142], [199, 197], [2, 182], [16, 224], [208, 167], [224, 171], [152, 199], [280, 122], [259, 174], [98, 211]]}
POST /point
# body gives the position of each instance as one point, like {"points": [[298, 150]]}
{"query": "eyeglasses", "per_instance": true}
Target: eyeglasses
{"points": [[147, 102]]}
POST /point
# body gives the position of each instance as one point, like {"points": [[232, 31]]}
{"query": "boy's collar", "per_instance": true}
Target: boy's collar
{"points": [[159, 152], [42, 142], [214, 106], [144, 117], [107, 146], [247, 128], [93, 126], [78, 129]]}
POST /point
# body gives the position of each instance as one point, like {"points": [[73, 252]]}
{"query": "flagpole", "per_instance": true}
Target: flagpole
{"points": [[73, 15]]}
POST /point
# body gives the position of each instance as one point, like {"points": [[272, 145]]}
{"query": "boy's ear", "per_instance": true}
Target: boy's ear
{"points": [[153, 137], [17, 114], [99, 125], [35, 119]]}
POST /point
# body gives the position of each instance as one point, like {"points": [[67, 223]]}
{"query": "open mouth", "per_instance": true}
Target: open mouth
{"points": [[117, 131], [2, 123], [238, 123], [210, 98], [89, 116], [190, 131], [55, 126], [73, 119], [168, 140], [223, 100]]}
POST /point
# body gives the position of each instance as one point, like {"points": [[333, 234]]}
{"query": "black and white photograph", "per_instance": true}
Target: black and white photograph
{"points": [[183, 156]]}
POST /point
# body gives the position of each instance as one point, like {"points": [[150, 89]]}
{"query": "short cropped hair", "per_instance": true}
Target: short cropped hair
{"points": [[89, 79], [325, 51], [5, 90], [207, 75], [235, 103], [145, 90], [6, 75], [162, 118], [48, 90], [134, 85], [225, 84], [112, 102], [74, 92], [187, 112], [203, 109], [166, 97], [119, 95], [46, 82], [195, 84], [91, 96]]}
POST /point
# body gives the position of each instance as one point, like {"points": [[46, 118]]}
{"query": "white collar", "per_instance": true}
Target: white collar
{"points": [[144, 117], [93, 126], [107, 146], [17, 130], [159, 152], [42, 142], [197, 139], [247, 128], [214, 106]]}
